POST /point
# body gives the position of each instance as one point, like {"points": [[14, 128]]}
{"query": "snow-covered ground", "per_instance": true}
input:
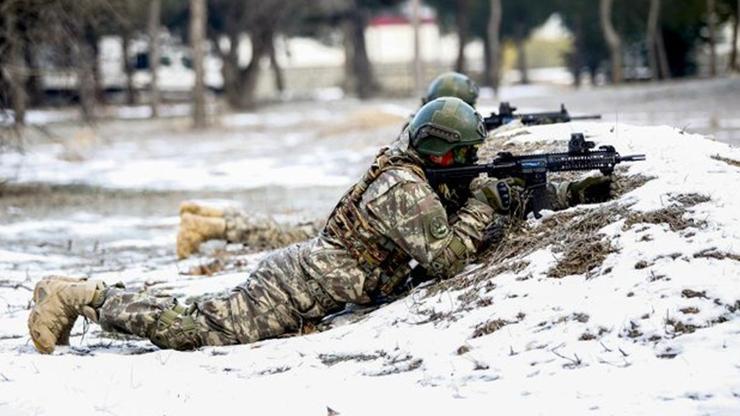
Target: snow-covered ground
{"points": [[653, 329]]}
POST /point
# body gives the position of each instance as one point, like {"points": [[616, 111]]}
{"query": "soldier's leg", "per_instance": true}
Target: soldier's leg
{"points": [[199, 223], [165, 322], [276, 300], [265, 233]]}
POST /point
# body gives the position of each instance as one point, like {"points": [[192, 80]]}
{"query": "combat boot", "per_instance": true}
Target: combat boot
{"points": [[202, 210], [57, 303], [195, 229]]}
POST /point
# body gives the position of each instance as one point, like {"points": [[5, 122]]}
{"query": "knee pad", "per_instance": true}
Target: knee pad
{"points": [[176, 329]]}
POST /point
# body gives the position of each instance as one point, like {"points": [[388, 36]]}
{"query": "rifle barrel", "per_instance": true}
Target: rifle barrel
{"points": [[587, 117]]}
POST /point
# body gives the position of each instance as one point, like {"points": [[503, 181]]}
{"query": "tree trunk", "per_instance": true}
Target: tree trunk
{"points": [[461, 21], [712, 22], [416, 22], [486, 76], [92, 39], [612, 39], [230, 70], [575, 61], [127, 68], [665, 69], [197, 39], [155, 9], [360, 74], [521, 60], [277, 71], [494, 44], [262, 40], [34, 87], [733, 65], [651, 38], [15, 72], [86, 80]]}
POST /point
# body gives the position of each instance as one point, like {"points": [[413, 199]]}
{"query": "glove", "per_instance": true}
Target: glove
{"points": [[499, 194], [593, 189]]}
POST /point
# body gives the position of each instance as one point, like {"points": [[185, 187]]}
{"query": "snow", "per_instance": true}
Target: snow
{"points": [[406, 357]]}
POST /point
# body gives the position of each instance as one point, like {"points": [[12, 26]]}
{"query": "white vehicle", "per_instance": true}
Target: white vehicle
{"points": [[175, 74]]}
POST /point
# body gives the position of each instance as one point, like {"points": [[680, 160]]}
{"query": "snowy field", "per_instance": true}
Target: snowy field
{"points": [[651, 328]]}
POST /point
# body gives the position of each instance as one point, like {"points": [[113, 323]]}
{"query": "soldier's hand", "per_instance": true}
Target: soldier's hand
{"points": [[593, 189], [499, 194]]}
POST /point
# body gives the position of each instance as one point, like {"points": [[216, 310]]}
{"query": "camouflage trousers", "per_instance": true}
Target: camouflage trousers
{"points": [[275, 300], [265, 233]]}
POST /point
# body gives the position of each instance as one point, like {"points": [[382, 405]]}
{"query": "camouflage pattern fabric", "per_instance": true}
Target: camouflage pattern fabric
{"points": [[265, 234], [275, 300], [399, 218]]}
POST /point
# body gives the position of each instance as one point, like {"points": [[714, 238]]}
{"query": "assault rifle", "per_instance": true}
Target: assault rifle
{"points": [[533, 168], [506, 115]]}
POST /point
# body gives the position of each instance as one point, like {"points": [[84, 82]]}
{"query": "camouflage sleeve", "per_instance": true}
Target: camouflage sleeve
{"points": [[412, 216], [557, 195]]}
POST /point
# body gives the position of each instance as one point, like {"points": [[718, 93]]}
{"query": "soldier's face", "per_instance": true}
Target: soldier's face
{"points": [[465, 155], [459, 156]]}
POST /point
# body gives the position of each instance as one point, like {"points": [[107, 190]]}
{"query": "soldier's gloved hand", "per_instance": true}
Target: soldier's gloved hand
{"points": [[499, 194], [591, 190]]}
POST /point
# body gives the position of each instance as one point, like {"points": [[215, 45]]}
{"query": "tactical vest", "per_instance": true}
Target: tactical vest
{"points": [[384, 263]]}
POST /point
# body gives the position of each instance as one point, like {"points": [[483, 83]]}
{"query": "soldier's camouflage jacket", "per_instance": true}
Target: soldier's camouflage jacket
{"points": [[389, 220]]}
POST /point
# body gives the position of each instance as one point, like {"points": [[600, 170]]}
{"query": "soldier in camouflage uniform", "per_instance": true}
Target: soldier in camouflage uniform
{"points": [[390, 219], [199, 222]]}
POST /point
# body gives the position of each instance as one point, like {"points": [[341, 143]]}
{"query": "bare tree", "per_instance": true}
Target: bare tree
{"points": [[461, 23], [494, 43], [14, 71], [261, 21], [415, 20], [612, 39], [197, 43], [128, 69], [277, 71], [734, 65], [650, 38], [155, 10], [359, 76], [712, 23]]}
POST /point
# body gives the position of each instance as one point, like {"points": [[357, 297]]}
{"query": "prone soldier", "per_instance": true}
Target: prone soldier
{"points": [[199, 223], [365, 250]]}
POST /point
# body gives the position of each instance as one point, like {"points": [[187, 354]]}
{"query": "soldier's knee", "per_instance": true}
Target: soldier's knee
{"points": [[176, 329]]}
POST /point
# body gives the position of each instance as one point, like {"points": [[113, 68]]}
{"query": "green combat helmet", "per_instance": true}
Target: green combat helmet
{"points": [[452, 84], [447, 124]]}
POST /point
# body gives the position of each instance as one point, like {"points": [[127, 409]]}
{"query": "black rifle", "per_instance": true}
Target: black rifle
{"points": [[533, 168], [506, 115]]}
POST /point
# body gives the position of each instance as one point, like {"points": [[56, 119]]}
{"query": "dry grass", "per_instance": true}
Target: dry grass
{"points": [[489, 327], [716, 254], [573, 237], [582, 258], [731, 162], [673, 215]]}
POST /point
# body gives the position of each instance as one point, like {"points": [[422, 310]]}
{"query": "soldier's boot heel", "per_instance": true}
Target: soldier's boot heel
{"points": [[195, 208], [195, 229], [58, 301]]}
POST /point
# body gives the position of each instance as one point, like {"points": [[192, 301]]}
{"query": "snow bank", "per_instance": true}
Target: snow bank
{"points": [[652, 330]]}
